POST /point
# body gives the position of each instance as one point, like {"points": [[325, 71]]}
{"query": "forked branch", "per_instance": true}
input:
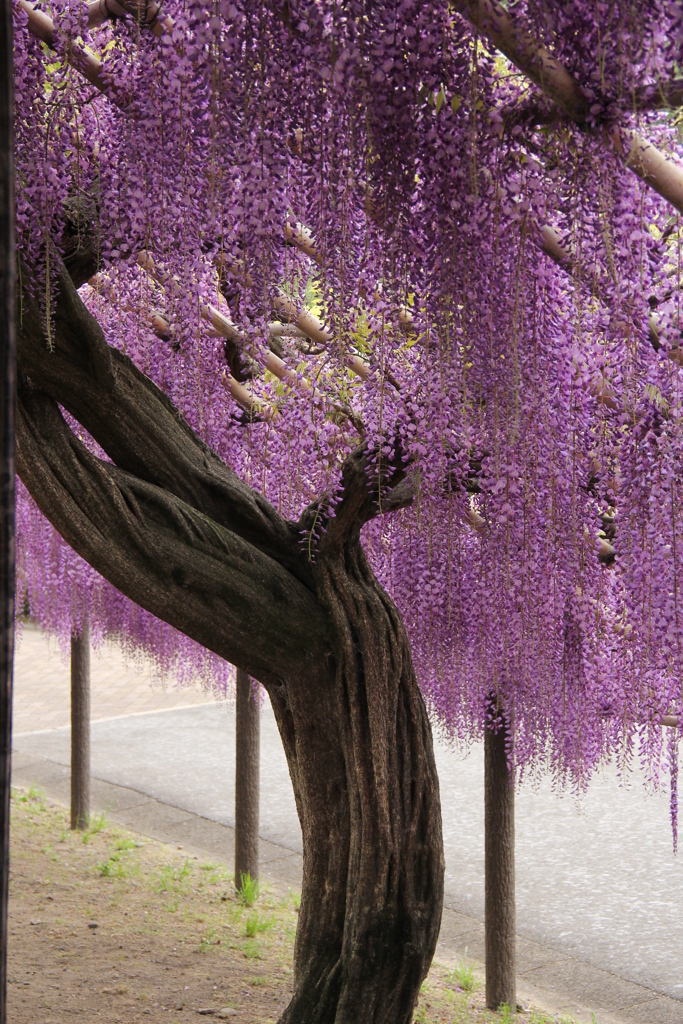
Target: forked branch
{"points": [[165, 555], [139, 427]]}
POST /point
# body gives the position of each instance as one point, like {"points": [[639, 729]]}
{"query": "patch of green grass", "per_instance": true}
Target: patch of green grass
{"points": [[173, 879], [114, 867], [96, 824], [212, 874], [296, 899], [256, 924], [208, 940], [34, 795], [248, 890], [251, 949], [111, 868], [127, 844], [462, 976]]}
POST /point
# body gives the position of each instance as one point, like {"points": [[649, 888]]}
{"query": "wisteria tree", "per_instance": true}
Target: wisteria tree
{"points": [[322, 302]]}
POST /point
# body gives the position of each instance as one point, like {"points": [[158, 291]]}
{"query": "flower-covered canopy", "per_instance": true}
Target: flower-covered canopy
{"points": [[450, 231]]}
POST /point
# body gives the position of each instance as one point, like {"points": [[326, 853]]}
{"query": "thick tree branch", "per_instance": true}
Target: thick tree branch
{"points": [[138, 426], [372, 484], [549, 241], [509, 36], [165, 555]]}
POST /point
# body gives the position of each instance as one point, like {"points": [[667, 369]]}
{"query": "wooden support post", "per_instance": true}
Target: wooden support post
{"points": [[499, 842], [7, 496], [247, 753], [80, 728]]}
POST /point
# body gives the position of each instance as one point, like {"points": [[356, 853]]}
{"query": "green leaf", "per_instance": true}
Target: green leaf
{"points": [[455, 103]]}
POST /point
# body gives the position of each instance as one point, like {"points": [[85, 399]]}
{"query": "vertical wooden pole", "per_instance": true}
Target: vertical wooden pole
{"points": [[499, 869], [7, 496], [247, 754], [80, 728]]}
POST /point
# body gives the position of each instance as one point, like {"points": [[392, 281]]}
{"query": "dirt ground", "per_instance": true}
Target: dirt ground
{"points": [[109, 926]]}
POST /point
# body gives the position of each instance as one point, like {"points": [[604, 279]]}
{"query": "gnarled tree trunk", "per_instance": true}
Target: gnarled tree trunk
{"points": [[174, 529], [362, 764]]}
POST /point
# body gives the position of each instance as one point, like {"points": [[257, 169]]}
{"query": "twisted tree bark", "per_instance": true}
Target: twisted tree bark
{"points": [[369, 807], [173, 528], [367, 793]]}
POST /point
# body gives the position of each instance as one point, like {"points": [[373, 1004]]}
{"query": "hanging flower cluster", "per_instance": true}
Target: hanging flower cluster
{"points": [[326, 222]]}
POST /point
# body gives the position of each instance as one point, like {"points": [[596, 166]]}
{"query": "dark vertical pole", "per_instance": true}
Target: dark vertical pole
{"points": [[247, 753], [7, 406], [80, 728], [499, 869]]}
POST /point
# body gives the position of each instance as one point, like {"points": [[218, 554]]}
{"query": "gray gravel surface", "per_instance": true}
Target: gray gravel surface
{"points": [[596, 879]]}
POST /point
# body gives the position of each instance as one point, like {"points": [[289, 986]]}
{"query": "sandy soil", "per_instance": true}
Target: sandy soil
{"points": [[110, 926], [107, 926]]}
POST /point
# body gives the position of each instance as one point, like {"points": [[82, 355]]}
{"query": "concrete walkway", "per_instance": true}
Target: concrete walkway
{"points": [[42, 686], [599, 892]]}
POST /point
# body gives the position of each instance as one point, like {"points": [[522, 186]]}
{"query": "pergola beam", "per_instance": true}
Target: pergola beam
{"points": [[161, 327], [42, 27], [220, 323], [223, 327], [509, 35]]}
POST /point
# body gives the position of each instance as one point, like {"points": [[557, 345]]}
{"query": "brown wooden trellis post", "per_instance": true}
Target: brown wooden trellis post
{"points": [[7, 447], [499, 870], [80, 727], [247, 753]]}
